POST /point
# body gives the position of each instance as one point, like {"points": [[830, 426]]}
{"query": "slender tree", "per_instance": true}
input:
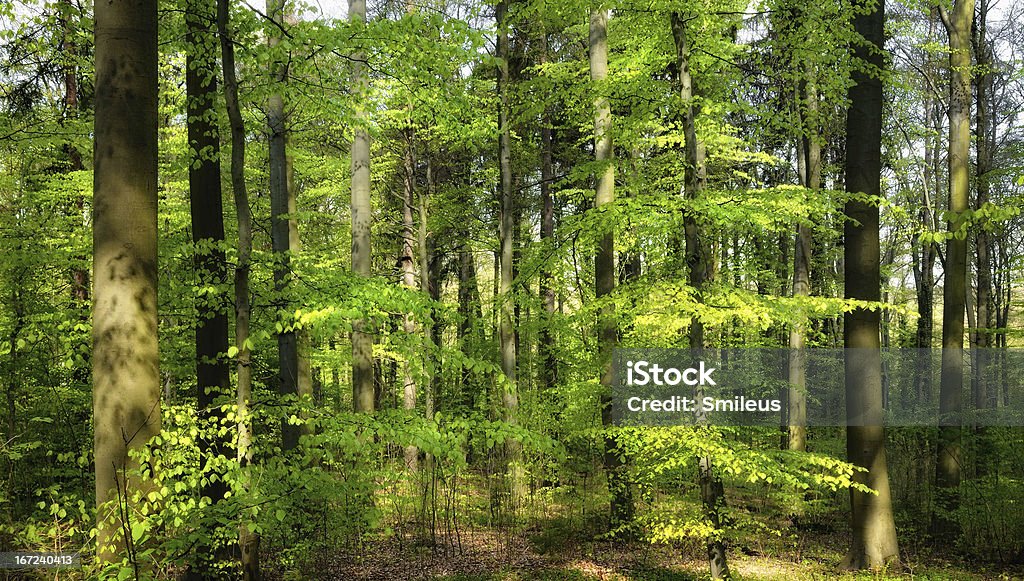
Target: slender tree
{"points": [[362, 337], [604, 268], [248, 541], [280, 229], [873, 541], [985, 129], [810, 152], [700, 266], [549, 362], [954, 290], [126, 379], [213, 379], [407, 266]]}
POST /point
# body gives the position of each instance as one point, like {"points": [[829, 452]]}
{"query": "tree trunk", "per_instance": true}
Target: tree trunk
{"points": [[873, 542], [947, 471], [985, 132], [811, 178], [247, 540], [430, 285], [280, 229], [604, 269], [126, 378], [549, 362], [407, 265], [506, 235], [213, 380], [362, 336], [699, 261]]}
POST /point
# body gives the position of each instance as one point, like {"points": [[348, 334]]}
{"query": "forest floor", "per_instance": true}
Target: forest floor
{"points": [[551, 553]]}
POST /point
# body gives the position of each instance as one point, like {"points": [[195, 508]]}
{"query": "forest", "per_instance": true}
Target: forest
{"points": [[343, 290]]}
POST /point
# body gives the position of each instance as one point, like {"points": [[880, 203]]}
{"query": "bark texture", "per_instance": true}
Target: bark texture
{"points": [[873, 540], [126, 380], [954, 291], [362, 337], [604, 269]]}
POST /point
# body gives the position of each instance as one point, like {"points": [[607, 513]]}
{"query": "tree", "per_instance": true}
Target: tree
{"points": [[126, 380], [604, 267], [362, 338], [213, 380], [809, 161], [985, 132], [697, 256], [281, 204], [873, 542], [549, 362], [248, 541], [954, 288], [407, 265]]}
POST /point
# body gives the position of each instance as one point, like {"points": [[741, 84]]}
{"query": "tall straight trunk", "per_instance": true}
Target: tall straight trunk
{"points": [[430, 285], [700, 262], [873, 539], [126, 378], [985, 132], [549, 362], [924, 255], [927, 251], [506, 234], [303, 369], [407, 265], [362, 337], [280, 230], [954, 292], [213, 381], [604, 269], [811, 178], [248, 541]]}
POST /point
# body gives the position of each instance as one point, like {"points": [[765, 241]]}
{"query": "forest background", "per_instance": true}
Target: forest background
{"points": [[389, 357]]}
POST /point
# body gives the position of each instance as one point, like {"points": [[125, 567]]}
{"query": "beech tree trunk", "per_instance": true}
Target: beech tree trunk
{"points": [[213, 381], [873, 540], [548, 360], [280, 229], [954, 292], [811, 178], [407, 266], [604, 269], [700, 266], [362, 337], [506, 235], [126, 378], [248, 541]]}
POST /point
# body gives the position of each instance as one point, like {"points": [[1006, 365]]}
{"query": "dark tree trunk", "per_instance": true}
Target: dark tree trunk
{"points": [[549, 362], [213, 381], [873, 542]]}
